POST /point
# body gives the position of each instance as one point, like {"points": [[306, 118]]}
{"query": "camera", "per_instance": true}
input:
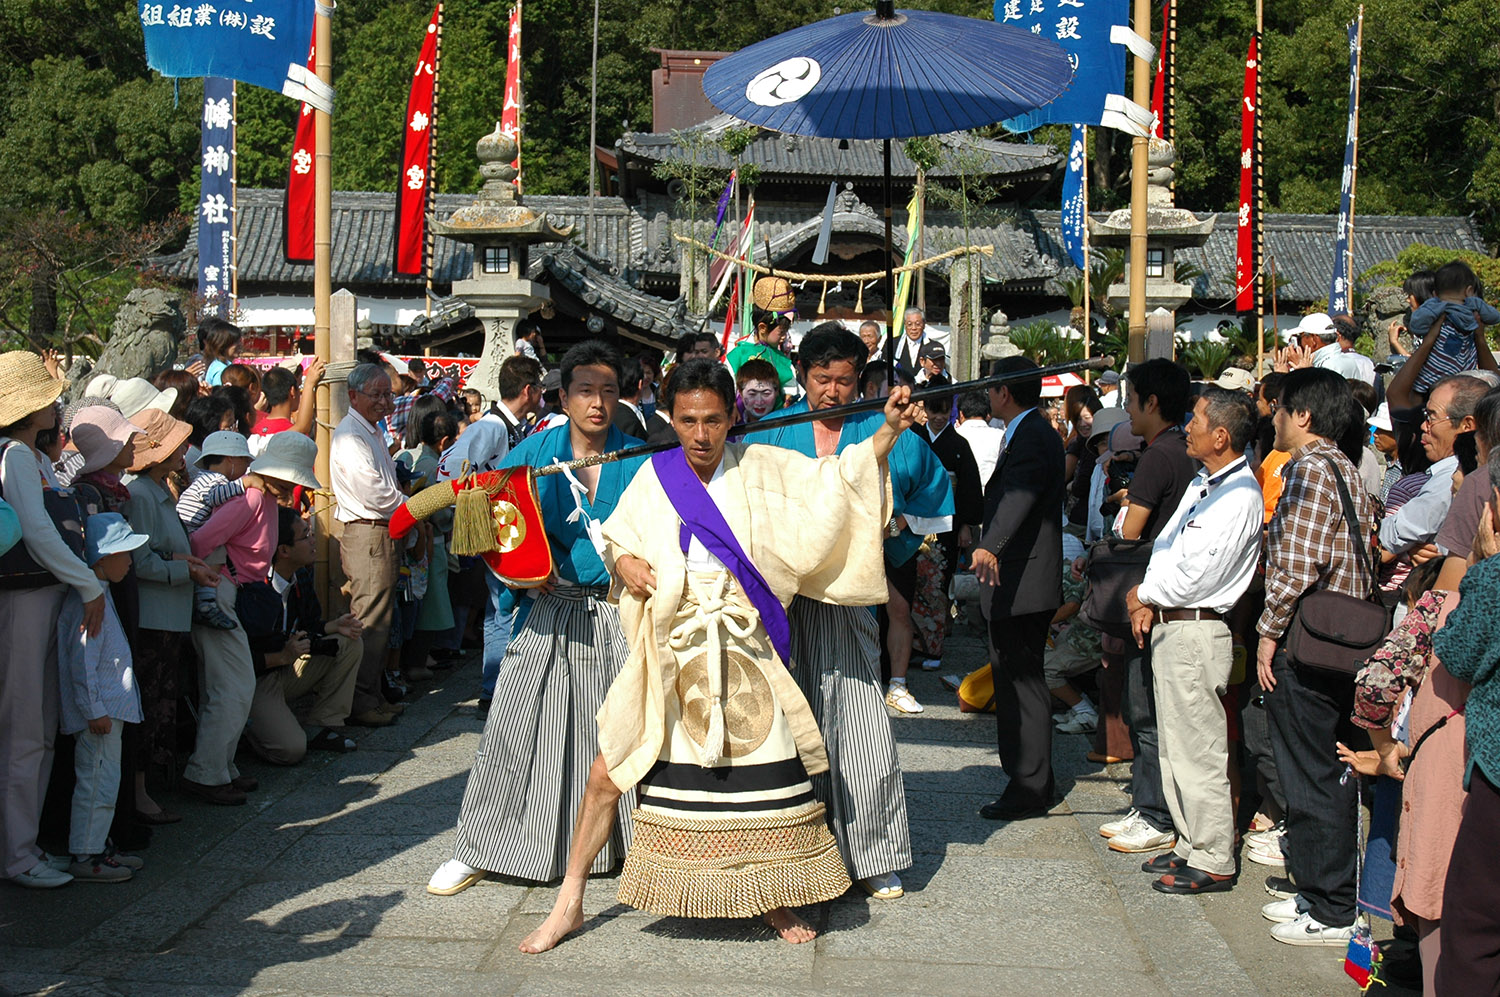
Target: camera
{"points": [[326, 647], [1121, 471]]}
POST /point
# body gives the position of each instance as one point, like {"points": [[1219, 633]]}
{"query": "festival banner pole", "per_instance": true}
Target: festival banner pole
{"points": [[1257, 177], [1141, 94], [1088, 322], [429, 239], [1359, 47], [323, 275]]}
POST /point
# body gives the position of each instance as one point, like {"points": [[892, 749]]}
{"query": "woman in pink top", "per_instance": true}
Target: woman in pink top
{"points": [[245, 526]]}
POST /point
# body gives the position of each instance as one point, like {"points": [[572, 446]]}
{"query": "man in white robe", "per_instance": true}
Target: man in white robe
{"points": [[704, 716]]}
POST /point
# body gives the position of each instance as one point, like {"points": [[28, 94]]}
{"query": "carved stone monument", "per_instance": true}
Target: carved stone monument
{"points": [[147, 332], [501, 229]]}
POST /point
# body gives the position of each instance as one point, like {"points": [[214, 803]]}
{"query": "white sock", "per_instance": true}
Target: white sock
{"points": [[1084, 706], [898, 682]]}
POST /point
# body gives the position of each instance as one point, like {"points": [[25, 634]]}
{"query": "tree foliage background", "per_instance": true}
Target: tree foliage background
{"points": [[96, 151]]}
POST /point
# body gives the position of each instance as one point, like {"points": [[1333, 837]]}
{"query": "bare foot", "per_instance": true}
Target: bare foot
{"points": [[790, 927], [566, 918]]}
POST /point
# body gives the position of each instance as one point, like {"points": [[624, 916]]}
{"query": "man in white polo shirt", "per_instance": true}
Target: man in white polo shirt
{"points": [[1201, 564]]}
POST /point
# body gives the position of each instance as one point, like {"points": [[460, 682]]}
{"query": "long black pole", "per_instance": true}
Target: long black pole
{"points": [[841, 411], [890, 278]]}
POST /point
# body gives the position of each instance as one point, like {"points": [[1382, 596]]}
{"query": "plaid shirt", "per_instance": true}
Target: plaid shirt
{"points": [[1307, 544], [445, 388]]}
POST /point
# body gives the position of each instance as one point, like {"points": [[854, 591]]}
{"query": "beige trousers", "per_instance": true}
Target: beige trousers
{"points": [[368, 555], [274, 731], [1191, 662], [226, 684], [28, 717]]}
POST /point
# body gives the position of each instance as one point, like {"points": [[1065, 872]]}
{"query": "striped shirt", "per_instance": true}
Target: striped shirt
{"points": [[207, 492], [1308, 545]]}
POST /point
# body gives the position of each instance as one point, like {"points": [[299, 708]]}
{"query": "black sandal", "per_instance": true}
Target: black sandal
{"points": [[1164, 863], [1190, 880]]}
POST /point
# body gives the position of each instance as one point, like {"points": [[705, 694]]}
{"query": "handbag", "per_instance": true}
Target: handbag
{"points": [[1116, 566], [1332, 632], [18, 569]]}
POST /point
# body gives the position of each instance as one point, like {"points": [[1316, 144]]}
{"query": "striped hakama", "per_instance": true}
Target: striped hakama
{"points": [[742, 834], [836, 652], [540, 741]]}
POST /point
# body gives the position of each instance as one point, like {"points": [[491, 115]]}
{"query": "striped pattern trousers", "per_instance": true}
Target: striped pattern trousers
{"points": [[836, 655], [540, 740]]}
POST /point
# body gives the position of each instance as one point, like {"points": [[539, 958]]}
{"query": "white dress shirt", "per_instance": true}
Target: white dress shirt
{"points": [[482, 445], [1206, 556], [1421, 516], [1346, 365], [986, 442], [363, 472]]}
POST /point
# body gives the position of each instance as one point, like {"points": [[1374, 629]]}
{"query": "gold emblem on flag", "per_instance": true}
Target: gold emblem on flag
{"points": [[510, 526]]}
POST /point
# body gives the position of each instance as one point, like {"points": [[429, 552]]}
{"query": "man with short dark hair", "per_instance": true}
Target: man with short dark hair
{"points": [[540, 738], [484, 442], [985, 440], [1201, 563], [288, 405], [628, 418], [1018, 561], [697, 346], [1160, 391], [837, 647], [1310, 547]]}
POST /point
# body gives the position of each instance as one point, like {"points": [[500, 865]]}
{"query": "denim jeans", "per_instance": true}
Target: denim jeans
{"points": [[96, 766], [1309, 711], [1146, 792], [505, 614]]}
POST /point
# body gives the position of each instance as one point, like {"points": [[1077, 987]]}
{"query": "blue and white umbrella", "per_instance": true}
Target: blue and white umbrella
{"points": [[889, 74]]}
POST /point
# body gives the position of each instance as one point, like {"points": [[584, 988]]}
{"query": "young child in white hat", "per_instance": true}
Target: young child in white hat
{"points": [[99, 696]]}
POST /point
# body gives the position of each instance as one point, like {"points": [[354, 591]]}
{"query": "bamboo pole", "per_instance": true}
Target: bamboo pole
{"points": [[1141, 94], [323, 275]]}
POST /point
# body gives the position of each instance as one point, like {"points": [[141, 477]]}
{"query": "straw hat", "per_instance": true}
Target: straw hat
{"points": [[774, 294], [28, 386], [162, 435], [99, 434], [288, 456]]}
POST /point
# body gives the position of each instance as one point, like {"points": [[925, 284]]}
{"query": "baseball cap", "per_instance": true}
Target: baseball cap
{"points": [[106, 533], [1235, 379], [932, 350]]}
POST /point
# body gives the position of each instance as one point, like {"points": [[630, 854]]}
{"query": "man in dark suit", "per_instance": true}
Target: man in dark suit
{"points": [[628, 417], [1020, 555]]}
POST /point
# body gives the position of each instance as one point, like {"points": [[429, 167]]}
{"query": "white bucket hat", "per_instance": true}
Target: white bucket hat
{"points": [[136, 394], [288, 456]]}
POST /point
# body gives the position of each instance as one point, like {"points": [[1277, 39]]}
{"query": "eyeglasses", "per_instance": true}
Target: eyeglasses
{"points": [[378, 395], [1428, 415]]}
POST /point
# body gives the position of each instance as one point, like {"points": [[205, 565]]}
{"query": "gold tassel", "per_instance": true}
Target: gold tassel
{"points": [[859, 304], [823, 298], [473, 525]]}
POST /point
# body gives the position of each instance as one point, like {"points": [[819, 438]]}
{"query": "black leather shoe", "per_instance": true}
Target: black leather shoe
{"points": [[1001, 810]]}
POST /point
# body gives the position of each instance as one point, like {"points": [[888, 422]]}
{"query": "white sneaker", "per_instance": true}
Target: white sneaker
{"points": [[1067, 714], [58, 862], [1114, 827], [899, 697], [1268, 855], [453, 877], [931, 664], [42, 876], [1079, 722], [1142, 837], [1270, 836], [887, 887], [1282, 911], [1306, 931]]}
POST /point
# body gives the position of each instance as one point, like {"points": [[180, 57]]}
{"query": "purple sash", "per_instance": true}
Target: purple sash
{"points": [[701, 518]]}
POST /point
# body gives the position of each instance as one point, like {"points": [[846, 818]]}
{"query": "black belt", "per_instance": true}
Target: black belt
{"points": [[367, 522], [1190, 616]]}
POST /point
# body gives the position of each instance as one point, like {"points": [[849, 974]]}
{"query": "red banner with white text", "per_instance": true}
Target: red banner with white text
{"points": [[413, 184], [510, 111], [297, 219], [1244, 257]]}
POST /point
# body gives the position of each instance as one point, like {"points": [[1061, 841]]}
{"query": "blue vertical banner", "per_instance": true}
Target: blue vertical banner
{"points": [[1340, 286], [1072, 199], [216, 199], [1094, 33], [261, 42]]}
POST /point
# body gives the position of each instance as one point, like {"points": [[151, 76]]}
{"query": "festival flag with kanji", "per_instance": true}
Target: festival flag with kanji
{"points": [[1159, 83], [216, 199], [1339, 284], [415, 182], [510, 111], [297, 219], [1072, 198], [1244, 257]]}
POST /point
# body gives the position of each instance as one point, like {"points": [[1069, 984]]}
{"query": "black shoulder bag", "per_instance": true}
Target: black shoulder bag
{"points": [[18, 569], [1115, 566], [1332, 632]]}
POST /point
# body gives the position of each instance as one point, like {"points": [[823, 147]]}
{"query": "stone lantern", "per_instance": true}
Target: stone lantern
{"points": [[501, 229], [1168, 228]]}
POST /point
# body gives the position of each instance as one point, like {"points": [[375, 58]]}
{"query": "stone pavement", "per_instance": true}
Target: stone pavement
{"points": [[317, 888]]}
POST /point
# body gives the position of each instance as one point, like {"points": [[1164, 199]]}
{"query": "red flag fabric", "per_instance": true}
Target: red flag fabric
{"points": [[416, 159], [1244, 261], [730, 315], [297, 219], [1159, 85], [510, 112]]}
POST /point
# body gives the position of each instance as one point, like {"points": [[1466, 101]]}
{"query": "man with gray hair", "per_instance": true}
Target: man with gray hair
{"points": [[367, 493], [874, 340], [1449, 412], [914, 324], [1201, 564]]}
